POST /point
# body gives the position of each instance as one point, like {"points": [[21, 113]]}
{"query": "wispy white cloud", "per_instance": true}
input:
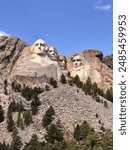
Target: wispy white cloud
{"points": [[2, 33], [103, 7]]}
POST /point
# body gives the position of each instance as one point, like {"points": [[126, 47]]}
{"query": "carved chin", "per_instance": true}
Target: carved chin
{"points": [[52, 57]]}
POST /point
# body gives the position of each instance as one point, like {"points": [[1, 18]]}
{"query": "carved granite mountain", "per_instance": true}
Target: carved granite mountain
{"points": [[40, 62], [89, 63], [34, 66]]}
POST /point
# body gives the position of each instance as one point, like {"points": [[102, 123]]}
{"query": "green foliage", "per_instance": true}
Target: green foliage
{"points": [[88, 85], [20, 107], [77, 133], [105, 104], [29, 93], [47, 88], [16, 86], [53, 134], [10, 122], [16, 141], [68, 74], [13, 106], [76, 80], [20, 121], [109, 94], [35, 104], [5, 87], [33, 144], [4, 146], [1, 114], [70, 82], [63, 79], [48, 117], [107, 140], [53, 82], [27, 117], [81, 132]]}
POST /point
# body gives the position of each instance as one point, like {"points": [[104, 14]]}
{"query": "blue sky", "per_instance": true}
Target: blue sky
{"points": [[69, 25]]}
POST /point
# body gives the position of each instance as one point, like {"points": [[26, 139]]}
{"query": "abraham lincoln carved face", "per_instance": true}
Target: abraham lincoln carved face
{"points": [[77, 61], [39, 47]]}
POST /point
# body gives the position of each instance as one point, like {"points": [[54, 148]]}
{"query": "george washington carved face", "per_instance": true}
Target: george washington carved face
{"points": [[52, 53], [39, 47], [77, 60], [62, 61]]}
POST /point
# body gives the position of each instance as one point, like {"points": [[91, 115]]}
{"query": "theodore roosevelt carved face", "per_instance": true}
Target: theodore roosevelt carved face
{"points": [[52, 53], [77, 61], [39, 47], [62, 61]]}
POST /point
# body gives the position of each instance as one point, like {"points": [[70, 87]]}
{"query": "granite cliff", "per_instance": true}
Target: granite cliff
{"points": [[17, 60], [24, 67]]}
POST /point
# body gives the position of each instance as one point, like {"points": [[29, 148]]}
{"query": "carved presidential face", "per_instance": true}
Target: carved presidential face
{"points": [[52, 53], [39, 47], [62, 61], [77, 61]]}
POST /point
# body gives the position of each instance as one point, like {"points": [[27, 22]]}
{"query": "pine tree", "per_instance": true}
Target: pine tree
{"points": [[1, 114], [20, 121], [47, 88], [16, 141], [53, 134], [48, 117], [13, 106], [35, 104], [33, 144], [89, 86], [4, 146], [84, 130], [27, 117], [63, 79], [77, 82], [68, 74], [109, 95], [53, 82], [76, 133], [10, 122]]}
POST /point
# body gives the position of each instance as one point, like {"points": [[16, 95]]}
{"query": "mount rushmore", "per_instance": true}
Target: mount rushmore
{"points": [[39, 62]]}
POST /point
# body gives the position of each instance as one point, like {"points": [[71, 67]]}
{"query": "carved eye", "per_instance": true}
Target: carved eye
{"points": [[36, 44], [78, 59], [50, 51], [41, 44]]}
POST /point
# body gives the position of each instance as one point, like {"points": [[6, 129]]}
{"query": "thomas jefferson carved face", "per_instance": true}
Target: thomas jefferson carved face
{"points": [[39, 47], [62, 61], [77, 61], [52, 53]]}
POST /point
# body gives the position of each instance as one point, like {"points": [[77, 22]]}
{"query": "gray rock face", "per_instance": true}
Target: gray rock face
{"points": [[74, 107], [108, 60], [17, 59], [89, 63], [10, 48]]}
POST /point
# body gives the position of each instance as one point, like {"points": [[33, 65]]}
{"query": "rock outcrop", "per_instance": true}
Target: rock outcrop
{"points": [[10, 49], [89, 64], [40, 62], [108, 60]]}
